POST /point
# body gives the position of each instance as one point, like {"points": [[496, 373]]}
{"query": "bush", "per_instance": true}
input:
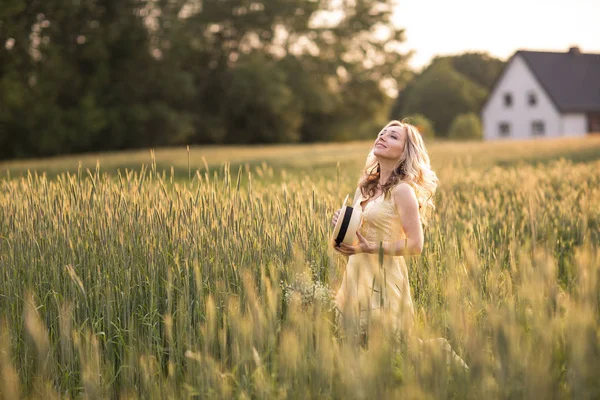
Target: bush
{"points": [[466, 126], [423, 124]]}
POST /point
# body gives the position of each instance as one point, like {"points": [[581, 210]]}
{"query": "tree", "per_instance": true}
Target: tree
{"points": [[397, 110], [480, 68], [466, 126], [449, 86], [318, 105], [106, 74], [16, 65], [363, 66], [424, 125], [219, 43], [87, 78], [262, 109], [440, 93]]}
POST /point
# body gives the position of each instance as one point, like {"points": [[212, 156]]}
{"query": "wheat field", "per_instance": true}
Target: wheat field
{"points": [[207, 273]]}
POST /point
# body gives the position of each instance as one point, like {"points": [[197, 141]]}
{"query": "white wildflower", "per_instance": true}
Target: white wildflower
{"points": [[310, 291]]}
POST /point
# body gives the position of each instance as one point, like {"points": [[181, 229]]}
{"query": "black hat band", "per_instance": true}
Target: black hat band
{"points": [[344, 226]]}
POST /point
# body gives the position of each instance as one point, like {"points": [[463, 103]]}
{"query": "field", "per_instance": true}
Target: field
{"points": [[166, 274]]}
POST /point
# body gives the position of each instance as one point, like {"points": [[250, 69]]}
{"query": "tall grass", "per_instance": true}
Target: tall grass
{"points": [[139, 285]]}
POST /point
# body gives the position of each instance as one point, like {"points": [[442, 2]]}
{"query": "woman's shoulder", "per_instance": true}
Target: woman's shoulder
{"points": [[403, 192], [403, 188]]}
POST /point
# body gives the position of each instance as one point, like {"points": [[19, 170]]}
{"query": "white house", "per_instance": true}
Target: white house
{"points": [[544, 94]]}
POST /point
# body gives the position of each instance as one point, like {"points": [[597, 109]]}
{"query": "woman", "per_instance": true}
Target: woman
{"points": [[395, 193]]}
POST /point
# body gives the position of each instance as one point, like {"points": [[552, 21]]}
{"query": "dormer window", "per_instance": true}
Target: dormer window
{"points": [[532, 99], [508, 100]]}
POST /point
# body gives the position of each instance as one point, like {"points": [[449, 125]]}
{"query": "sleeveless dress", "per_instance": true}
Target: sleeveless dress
{"points": [[372, 286], [375, 287]]}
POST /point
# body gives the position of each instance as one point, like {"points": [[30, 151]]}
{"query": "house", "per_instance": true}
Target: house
{"points": [[544, 94]]}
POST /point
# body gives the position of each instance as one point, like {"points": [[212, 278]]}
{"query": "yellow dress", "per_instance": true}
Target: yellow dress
{"points": [[372, 287]]}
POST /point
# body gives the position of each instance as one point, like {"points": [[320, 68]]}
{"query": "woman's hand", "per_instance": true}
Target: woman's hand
{"points": [[363, 246], [335, 217]]}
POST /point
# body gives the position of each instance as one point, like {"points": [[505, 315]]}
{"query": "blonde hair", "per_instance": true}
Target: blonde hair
{"points": [[413, 167]]}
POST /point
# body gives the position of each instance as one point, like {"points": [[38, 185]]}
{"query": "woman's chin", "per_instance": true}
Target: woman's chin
{"points": [[379, 152]]}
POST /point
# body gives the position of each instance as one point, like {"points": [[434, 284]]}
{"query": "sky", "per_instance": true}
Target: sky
{"points": [[497, 27]]}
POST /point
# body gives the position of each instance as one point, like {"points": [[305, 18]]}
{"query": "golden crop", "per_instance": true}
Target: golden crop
{"points": [[172, 281]]}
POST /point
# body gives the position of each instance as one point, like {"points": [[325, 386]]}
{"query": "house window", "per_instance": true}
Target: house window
{"points": [[532, 99], [594, 123], [504, 129], [508, 100], [538, 128]]}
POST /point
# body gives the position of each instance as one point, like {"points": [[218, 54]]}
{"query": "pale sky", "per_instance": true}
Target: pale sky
{"points": [[498, 27]]}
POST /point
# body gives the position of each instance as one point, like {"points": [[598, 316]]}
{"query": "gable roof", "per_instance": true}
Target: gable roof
{"points": [[571, 79]]}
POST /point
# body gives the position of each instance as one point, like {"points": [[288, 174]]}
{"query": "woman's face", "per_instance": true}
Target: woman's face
{"points": [[390, 143]]}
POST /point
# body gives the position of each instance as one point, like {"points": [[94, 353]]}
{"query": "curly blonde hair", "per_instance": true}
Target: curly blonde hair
{"points": [[413, 167]]}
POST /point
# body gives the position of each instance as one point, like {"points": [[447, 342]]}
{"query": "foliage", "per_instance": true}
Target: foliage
{"points": [[100, 75], [424, 125], [480, 68], [449, 86], [262, 108], [440, 93], [466, 126]]}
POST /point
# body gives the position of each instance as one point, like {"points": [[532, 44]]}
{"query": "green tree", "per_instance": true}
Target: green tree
{"points": [[107, 74], [262, 109], [87, 80], [449, 86], [440, 93], [480, 68], [466, 126], [397, 109], [219, 43], [16, 65], [361, 66], [423, 124], [318, 105]]}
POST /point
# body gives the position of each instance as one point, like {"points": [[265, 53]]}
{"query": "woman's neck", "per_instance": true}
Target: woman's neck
{"points": [[385, 170]]}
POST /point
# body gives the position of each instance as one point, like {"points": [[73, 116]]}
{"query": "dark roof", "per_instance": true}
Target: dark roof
{"points": [[571, 79]]}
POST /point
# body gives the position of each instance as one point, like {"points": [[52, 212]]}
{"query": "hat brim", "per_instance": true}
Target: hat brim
{"points": [[347, 225]]}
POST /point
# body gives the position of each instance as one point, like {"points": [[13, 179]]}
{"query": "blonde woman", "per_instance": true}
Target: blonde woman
{"points": [[395, 194]]}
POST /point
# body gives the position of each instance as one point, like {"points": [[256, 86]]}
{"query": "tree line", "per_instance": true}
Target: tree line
{"points": [[95, 75], [450, 90]]}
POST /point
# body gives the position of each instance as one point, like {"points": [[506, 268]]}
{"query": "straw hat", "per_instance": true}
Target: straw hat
{"points": [[347, 224]]}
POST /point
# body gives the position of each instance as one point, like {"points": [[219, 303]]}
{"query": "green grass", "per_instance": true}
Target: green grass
{"points": [[136, 281]]}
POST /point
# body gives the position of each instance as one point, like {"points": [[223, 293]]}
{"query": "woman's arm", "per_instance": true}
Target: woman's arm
{"points": [[408, 207]]}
